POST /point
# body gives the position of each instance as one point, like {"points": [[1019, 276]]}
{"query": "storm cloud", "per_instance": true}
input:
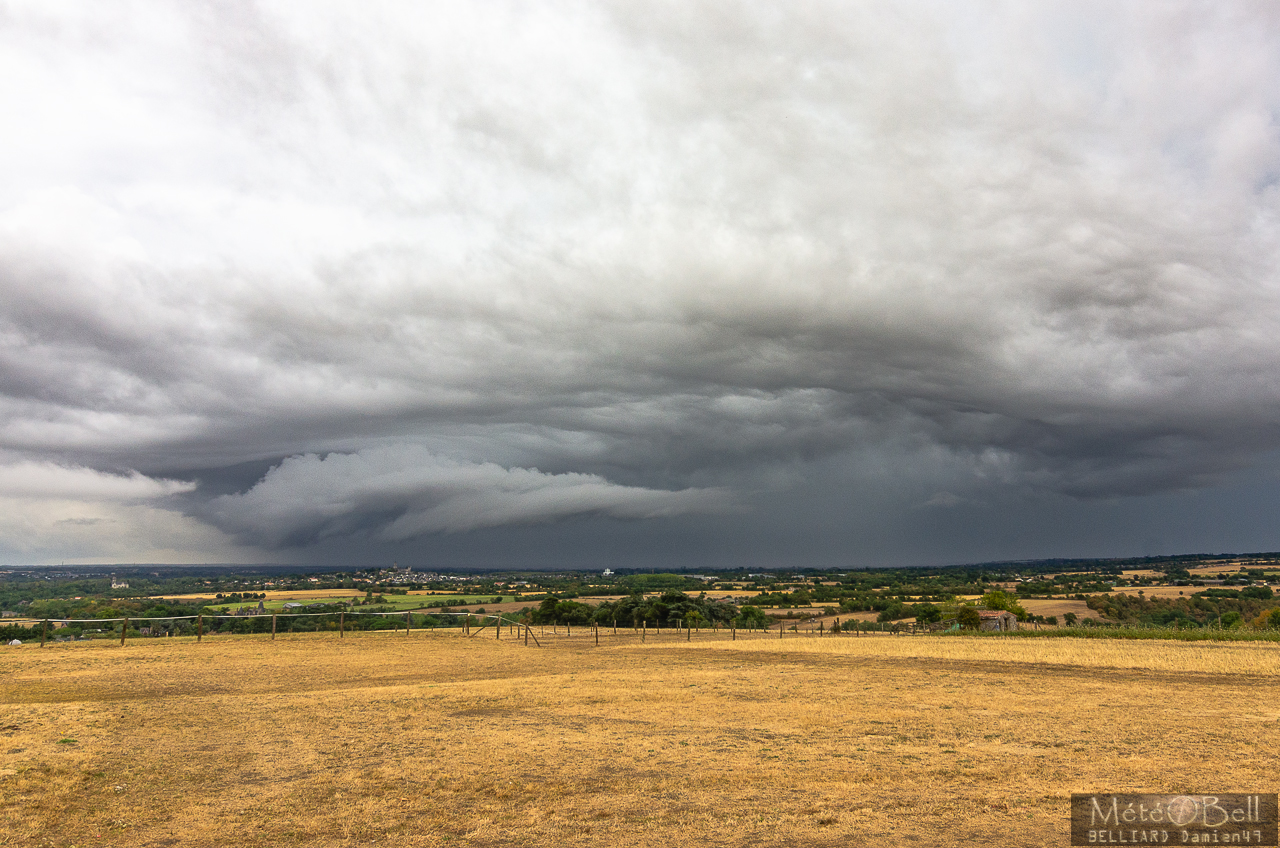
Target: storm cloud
{"points": [[416, 269], [402, 493]]}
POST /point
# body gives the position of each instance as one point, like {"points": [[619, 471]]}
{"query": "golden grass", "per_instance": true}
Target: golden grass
{"points": [[1059, 607], [1157, 591], [1252, 658], [1201, 570], [437, 740]]}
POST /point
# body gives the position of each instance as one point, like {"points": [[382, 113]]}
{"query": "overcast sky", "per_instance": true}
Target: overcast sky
{"points": [[638, 284]]}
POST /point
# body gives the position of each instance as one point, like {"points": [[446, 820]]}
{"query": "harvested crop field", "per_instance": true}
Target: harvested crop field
{"points": [[433, 739], [1059, 607], [1158, 591]]}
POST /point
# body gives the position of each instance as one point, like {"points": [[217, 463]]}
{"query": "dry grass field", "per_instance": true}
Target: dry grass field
{"points": [[1222, 568], [434, 740], [1156, 592], [1059, 607]]}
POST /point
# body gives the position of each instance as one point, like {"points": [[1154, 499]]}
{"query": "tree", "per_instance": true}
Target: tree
{"points": [[1268, 619], [752, 617], [927, 613], [998, 600], [552, 610], [968, 618], [894, 612], [1069, 618]]}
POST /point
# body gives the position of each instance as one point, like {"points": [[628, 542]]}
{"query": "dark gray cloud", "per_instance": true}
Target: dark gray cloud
{"points": [[592, 260], [401, 492]]}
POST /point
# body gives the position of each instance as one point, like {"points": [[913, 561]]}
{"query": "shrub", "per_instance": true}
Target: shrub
{"points": [[1269, 619]]}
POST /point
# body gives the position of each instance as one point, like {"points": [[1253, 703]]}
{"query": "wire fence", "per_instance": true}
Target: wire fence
{"points": [[208, 624], [471, 624], [465, 623]]}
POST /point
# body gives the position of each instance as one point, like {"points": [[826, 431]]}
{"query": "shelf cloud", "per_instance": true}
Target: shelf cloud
{"points": [[399, 493], [28, 479], [417, 270]]}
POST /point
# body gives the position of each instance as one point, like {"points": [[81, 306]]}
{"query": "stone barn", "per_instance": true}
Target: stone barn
{"points": [[997, 620]]}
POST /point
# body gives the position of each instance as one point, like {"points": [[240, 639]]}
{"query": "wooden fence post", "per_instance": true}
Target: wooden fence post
{"points": [[199, 627], [644, 626], [273, 627], [597, 630], [342, 625], [688, 633], [497, 627], [615, 627], [406, 623], [44, 634], [124, 628], [526, 635]]}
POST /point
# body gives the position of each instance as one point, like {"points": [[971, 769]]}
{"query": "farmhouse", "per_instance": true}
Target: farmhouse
{"points": [[997, 620]]}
